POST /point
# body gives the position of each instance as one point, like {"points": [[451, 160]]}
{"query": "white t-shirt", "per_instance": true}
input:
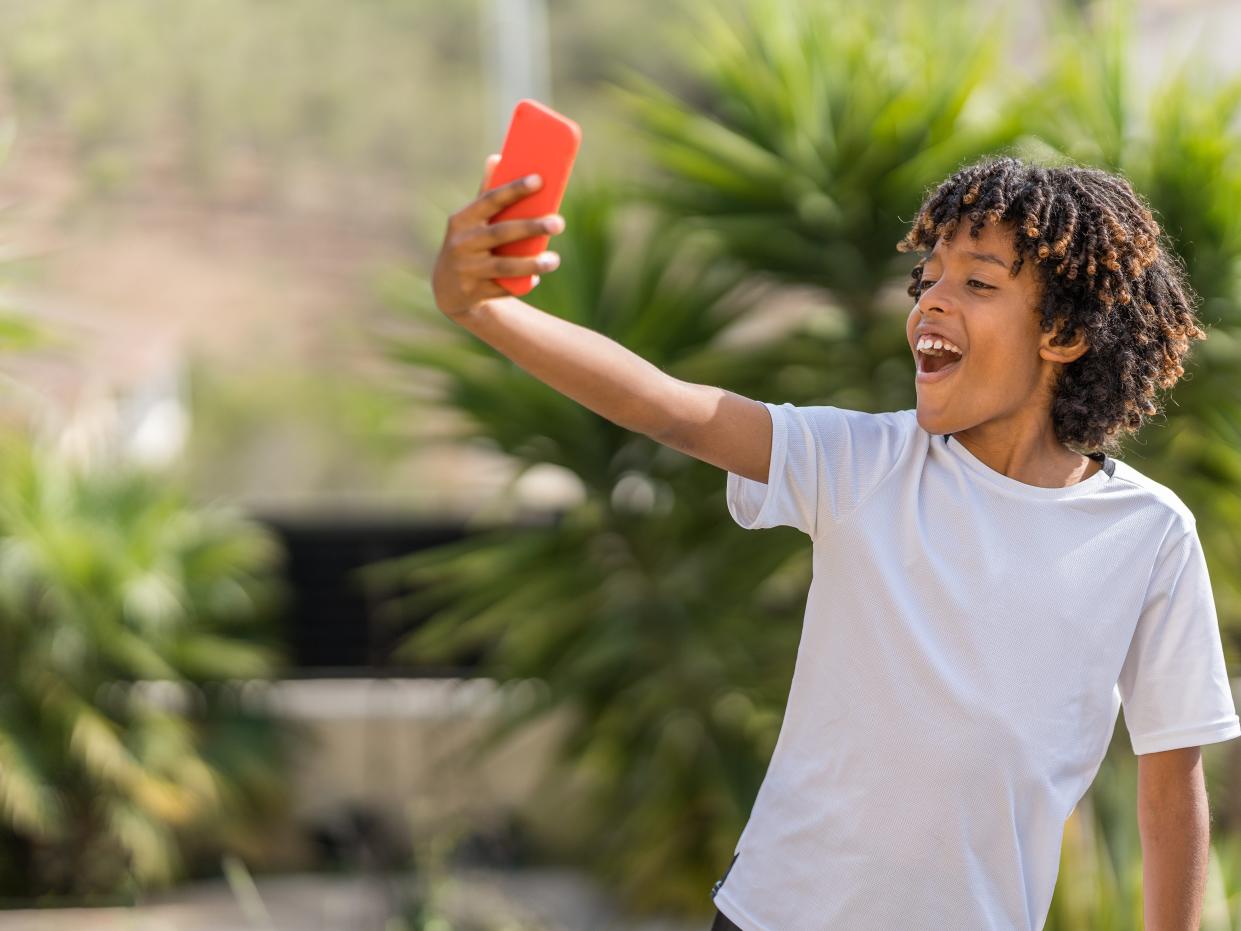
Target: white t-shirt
{"points": [[967, 643]]}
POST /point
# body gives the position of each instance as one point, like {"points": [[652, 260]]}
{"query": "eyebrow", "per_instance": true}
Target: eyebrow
{"points": [[981, 256]]}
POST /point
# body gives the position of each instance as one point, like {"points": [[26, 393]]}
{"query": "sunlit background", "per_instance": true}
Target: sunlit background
{"points": [[318, 613]]}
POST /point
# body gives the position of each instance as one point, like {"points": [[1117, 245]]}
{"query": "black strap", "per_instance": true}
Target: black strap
{"points": [[1109, 464], [719, 882]]}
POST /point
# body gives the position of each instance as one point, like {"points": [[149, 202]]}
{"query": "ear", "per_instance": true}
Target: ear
{"points": [[1063, 354]]}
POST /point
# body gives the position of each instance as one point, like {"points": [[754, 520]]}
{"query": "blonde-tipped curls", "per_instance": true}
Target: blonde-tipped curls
{"points": [[1103, 269]]}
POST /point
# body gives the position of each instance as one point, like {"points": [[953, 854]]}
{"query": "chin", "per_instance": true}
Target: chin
{"points": [[935, 423]]}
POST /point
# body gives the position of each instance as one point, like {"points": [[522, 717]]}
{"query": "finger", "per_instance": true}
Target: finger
{"points": [[488, 170], [495, 200], [534, 283], [513, 266], [482, 238]]}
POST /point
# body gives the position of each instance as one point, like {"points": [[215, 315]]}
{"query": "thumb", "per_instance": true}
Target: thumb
{"points": [[492, 161]]}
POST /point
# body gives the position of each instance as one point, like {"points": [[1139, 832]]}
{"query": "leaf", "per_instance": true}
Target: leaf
{"points": [[27, 802]]}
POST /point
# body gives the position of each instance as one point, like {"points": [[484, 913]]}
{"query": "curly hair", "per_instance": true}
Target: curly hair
{"points": [[1104, 270]]}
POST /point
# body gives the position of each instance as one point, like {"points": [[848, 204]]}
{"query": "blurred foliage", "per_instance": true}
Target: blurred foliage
{"points": [[1100, 882], [286, 428], [117, 598], [281, 78], [266, 92], [433, 900], [812, 128], [141, 107], [823, 124]]}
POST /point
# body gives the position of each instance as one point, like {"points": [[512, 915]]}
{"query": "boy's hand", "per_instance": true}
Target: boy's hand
{"points": [[465, 267]]}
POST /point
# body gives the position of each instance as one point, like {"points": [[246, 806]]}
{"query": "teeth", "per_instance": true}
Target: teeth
{"points": [[934, 345]]}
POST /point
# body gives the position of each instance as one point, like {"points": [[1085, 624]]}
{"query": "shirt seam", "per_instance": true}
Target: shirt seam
{"points": [[779, 459], [775, 465], [1185, 514], [1071, 492], [1159, 563]]}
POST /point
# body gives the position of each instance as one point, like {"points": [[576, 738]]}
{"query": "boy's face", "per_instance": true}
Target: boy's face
{"points": [[1007, 370]]}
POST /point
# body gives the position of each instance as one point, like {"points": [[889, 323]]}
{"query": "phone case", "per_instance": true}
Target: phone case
{"points": [[541, 141]]}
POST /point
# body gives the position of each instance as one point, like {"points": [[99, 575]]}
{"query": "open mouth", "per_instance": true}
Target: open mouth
{"points": [[938, 363]]}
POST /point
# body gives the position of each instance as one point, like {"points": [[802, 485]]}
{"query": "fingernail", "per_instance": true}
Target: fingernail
{"points": [[554, 224], [532, 180], [549, 260]]}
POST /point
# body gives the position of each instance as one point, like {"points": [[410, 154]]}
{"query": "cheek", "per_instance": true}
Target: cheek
{"points": [[912, 321], [1005, 359]]}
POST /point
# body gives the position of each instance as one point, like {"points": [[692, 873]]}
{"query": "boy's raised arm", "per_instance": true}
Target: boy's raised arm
{"points": [[711, 424], [721, 427]]}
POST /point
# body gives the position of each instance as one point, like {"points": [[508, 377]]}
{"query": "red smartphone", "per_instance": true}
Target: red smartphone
{"points": [[539, 141]]}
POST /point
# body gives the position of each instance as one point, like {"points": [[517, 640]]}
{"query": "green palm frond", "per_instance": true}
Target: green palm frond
{"points": [[1085, 102], [823, 124], [27, 801], [107, 579]]}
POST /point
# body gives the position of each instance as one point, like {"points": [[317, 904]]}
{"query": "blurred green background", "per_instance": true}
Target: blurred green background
{"points": [[223, 355]]}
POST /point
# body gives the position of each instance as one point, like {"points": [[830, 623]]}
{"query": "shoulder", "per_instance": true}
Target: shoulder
{"points": [[1159, 498], [860, 434], [827, 415], [1154, 494]]}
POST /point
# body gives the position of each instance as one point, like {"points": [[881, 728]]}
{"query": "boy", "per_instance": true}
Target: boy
{"points": [[985, 597]]}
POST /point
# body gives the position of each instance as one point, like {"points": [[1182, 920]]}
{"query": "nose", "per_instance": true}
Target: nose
{"points": [[930, 300]]}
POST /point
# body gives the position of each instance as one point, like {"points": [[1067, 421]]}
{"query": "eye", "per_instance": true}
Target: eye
{"points": [[925, 283]]}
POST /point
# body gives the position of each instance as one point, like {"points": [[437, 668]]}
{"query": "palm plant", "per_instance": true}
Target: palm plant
{"points": [[668, 636], [815, 127], [108, 578]]}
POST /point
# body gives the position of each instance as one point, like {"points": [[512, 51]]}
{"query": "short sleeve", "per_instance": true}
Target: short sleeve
{"points": [[1174, 685], [824, 462]]}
